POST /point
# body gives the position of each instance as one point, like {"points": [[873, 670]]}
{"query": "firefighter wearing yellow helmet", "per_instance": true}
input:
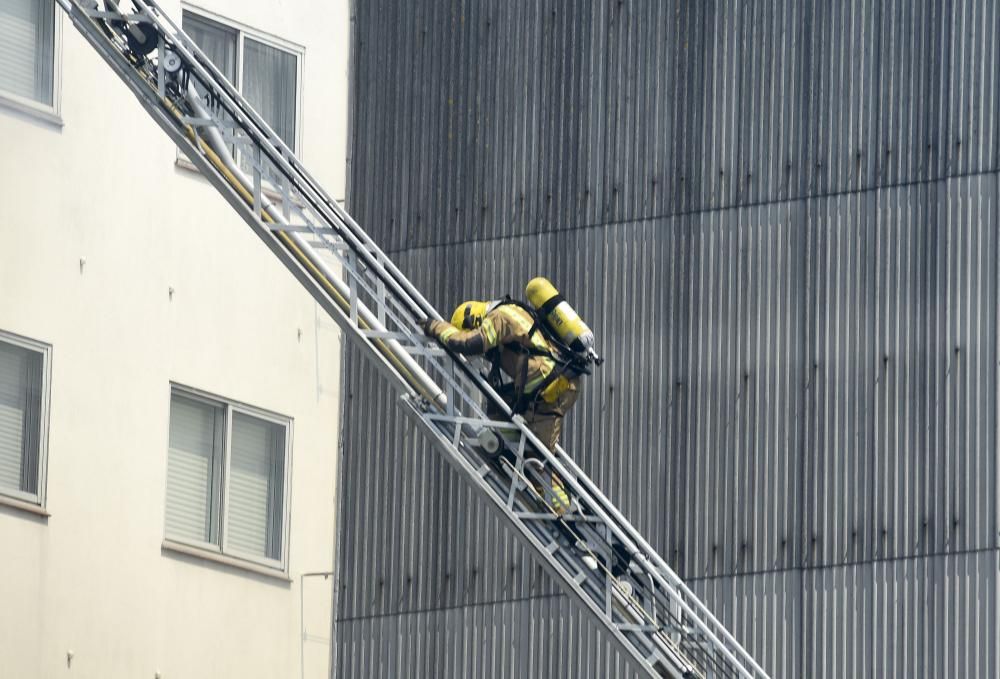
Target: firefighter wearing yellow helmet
{"points": [[507, 335]]}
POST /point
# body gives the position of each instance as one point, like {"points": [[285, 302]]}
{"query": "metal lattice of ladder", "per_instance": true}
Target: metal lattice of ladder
{"points": [[592, 551]]}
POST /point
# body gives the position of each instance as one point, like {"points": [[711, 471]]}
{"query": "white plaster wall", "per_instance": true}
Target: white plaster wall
{"points": [[92, 577]]}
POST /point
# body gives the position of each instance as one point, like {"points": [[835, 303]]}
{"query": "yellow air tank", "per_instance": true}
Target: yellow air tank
{"points": [[561, 317]]}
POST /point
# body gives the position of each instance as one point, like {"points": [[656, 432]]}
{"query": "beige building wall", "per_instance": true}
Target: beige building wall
{"points": [[139, 275]]}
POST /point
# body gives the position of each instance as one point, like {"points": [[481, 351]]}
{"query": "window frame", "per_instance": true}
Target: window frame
{"points": [[36, 109], [244, 31], [221, 551], [18, 497]]}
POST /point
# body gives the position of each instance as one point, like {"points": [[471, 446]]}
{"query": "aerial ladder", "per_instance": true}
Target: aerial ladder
{"points": [[644, 607]]}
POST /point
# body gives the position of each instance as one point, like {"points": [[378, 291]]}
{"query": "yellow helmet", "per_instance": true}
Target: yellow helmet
{"points": [[469, 314]]}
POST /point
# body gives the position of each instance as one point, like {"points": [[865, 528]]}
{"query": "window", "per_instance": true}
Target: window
{"points": [[265, 73], [226, 478], [28, 53], [23, 414]]}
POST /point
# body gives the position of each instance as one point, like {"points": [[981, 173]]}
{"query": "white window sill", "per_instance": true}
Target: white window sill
{"points": [[216, 557], [24, 506], [31, 110]]}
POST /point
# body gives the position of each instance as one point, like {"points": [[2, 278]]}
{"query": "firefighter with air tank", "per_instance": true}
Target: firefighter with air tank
{"points": [[542, 350]]}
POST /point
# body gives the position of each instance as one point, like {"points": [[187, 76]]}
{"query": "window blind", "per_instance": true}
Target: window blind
{"points": [[194, 470], [218, 42], [27, 43], [269, 82], [256, 487], [20, 418], [12, 388]]}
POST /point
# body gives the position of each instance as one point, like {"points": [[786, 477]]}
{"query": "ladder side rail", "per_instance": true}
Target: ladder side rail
{"points": [[696, 610], [288, 163], [681, 594], [195, 155], [657, 633], [536, 442], [462, 363], [621, 528], [473, 458], [195, 54], [101, 43], [553, 566], [706, 628], [359, 313], [625, 532], [366, 245], [271, 145], [284, 151], [674, 580], [236, 105]]}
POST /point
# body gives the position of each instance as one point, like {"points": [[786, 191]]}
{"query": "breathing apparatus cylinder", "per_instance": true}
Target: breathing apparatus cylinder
{"points": [[560, 316]]}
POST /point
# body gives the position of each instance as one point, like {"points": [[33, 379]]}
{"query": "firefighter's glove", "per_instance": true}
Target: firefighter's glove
{"points": [[427, 325]]}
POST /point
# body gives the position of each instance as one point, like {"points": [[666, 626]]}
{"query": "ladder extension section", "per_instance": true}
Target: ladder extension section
{"points": [[593, 551]]}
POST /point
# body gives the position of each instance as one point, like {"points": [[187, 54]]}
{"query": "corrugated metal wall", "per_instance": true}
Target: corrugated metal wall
{"points": [[781, 219], [488, 120]]}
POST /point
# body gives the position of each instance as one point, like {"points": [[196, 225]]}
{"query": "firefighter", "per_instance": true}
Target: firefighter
{"points": [[505, 333]]}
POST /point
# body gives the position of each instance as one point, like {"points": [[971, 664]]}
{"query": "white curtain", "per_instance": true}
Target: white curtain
{"points": [[20, 426], [218, 42], [256, 487], [27, 39], [194, 464], [269, 82]]}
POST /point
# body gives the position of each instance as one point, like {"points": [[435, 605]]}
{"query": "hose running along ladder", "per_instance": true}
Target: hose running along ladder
{"points": [[643, 605]]}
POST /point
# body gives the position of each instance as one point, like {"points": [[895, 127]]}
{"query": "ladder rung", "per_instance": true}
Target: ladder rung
{"points": [[279, 228], [535, 516], [631, 627], [386, 334]]}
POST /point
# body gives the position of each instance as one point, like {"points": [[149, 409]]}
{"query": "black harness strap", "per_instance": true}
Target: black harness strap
{"points": [[563, 366], [495, 378], [547, 308]]}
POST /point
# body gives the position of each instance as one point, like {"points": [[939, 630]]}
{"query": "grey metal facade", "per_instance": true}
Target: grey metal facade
{"points": [[781, 220]]}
